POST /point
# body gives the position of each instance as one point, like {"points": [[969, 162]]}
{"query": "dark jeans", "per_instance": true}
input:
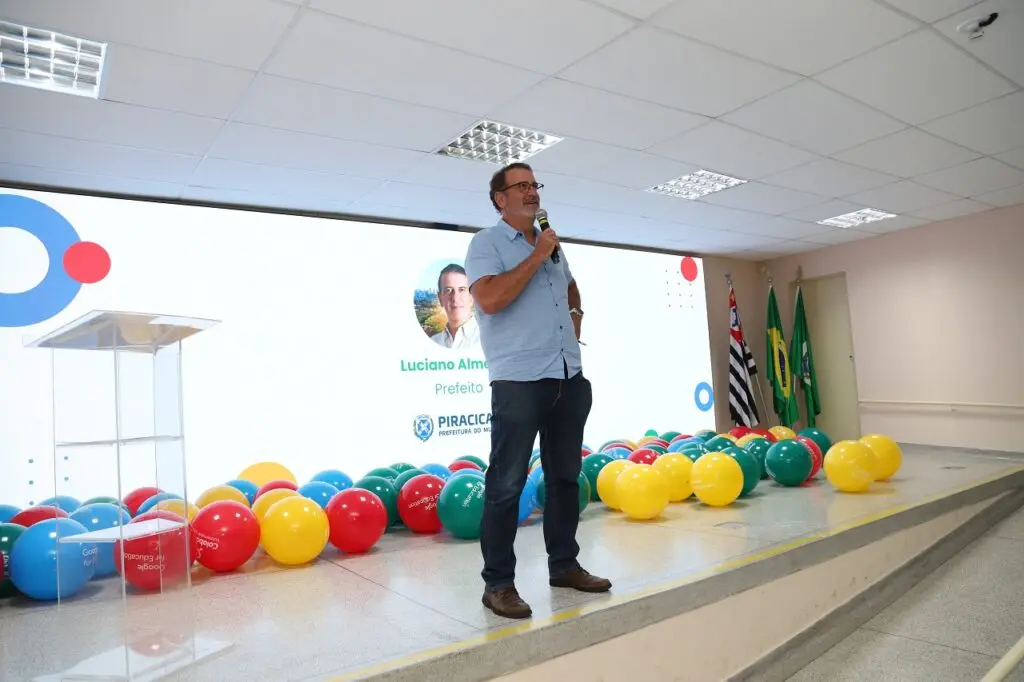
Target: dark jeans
{"points": [[558, 410]]}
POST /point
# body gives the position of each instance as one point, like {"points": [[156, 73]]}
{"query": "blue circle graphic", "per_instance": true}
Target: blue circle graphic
{"points": [[57, 289], [704, 405]]}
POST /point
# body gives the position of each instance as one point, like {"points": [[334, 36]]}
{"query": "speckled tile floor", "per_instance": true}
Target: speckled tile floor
{"points": [[416, 593]]}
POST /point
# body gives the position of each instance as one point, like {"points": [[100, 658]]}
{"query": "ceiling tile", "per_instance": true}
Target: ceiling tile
{"points": [[989, 128], [604, 163], [420, 214], [548, 35], [955, 209], [911, 79], [756, 196], [734, 151], [756, 256], [1011, 196], [1001, 46], [59, 179], [900, 197], [900, 222], [828, 33], [792, 246], [829, 209], [601, 196], [703, 215], [641, 9], [404, 69], [830, 178], [50, 113], [434, 170], [264, 199], [433, 198], [645, 64], [275, 147], [94, 158], [163, 81], [737, 240], [974, 177], [780, 228], [281, 103], [907, 153], [188, 28], [572, 110], [832, 235], [815, 118], [583, 222], [1014, 157], [932, 10], [249, 177]]}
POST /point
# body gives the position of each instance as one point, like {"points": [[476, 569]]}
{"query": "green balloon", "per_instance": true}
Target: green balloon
{"points": [[475, 460], [705, 435], [592, 465], [614, 444], [651, 433], [460, 507], [669, 435], [819, 437], [406, 476], [401, 467], [788, 462], [717, 443], [383, 472], [383, 488], [759, 449], [661, 450], [9, 532], [750, 466]]}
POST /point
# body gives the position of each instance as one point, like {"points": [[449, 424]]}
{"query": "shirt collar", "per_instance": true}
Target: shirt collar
{"points": [[510, 231]]}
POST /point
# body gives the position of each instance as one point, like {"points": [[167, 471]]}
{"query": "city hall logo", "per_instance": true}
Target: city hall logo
{"points": [[72, 262], [451, 425], [423, 427]]}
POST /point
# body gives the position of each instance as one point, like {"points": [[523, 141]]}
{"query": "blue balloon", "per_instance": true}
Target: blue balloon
{"points": [[155, 500], [617, 453], [468, 472], [7, 512], [37, 553], [318, 491], [439, 470], [247, 488], [65, 502], [338, 479], [100, 516], [527, 501], [534, 476]]}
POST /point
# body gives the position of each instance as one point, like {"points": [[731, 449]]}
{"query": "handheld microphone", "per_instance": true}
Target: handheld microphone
{"points": [[542, 220]]}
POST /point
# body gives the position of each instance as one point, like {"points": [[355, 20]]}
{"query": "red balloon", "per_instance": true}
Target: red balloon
{"points": [[643, 456], [40, 512], [816, 455], [584, 452], [660, 442], [463, 464], [155, 561], [274, 485], [767, 434], [358, 519], [681, 436], [740, 431], [417, 503], [135, 498], [226, 535]]}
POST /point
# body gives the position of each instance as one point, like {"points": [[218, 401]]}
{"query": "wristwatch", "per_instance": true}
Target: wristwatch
{"points": [[578, 312]]}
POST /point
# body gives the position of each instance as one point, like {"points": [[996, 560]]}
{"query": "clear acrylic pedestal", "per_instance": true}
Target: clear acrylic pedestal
{"points": [[117, 426]]}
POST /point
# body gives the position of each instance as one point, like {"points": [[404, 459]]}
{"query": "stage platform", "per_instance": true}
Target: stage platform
{"points": [[410, 610]]}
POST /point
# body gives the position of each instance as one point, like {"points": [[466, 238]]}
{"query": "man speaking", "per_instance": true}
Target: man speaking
{"points": [[529, 313]]}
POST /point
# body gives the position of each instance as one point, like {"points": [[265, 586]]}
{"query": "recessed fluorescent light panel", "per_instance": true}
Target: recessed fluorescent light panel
{"points": [[498, 143], [861, 217], [696, 185], [46, 60]]}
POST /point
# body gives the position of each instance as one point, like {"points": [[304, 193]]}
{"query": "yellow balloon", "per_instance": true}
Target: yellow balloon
{"points": [[728, 436], [294, 531], [178, 507], [888, 455], [782, 432], [644, 441], [267, 500], [850, 466], [717, 479], [264, 472], [676, 469], [743, 440], [606, 482], [631, 444], [219, 493], [643, 492]]}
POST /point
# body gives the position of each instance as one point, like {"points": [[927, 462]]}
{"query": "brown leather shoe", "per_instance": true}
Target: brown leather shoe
{"points": [[507, 603], [579, 579]]}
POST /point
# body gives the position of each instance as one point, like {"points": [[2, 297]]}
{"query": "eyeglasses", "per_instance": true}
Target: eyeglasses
{"points": [[524, 187]]}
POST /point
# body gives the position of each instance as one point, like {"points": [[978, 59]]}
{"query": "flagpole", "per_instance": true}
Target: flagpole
{"points": [[757, 384]]}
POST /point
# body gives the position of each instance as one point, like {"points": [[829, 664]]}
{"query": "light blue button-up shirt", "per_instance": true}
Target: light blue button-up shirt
{"points": [[533, 337]]}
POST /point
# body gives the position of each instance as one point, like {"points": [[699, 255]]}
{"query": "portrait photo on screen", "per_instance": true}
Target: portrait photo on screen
{"points": [[444, 306]]}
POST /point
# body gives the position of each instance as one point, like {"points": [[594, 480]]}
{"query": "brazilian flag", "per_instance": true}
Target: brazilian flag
{"points": [[780, 374]]}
